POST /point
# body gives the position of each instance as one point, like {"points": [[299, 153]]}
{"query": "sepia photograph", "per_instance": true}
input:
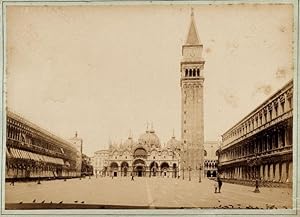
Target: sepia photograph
{"points": [[174, 107]]}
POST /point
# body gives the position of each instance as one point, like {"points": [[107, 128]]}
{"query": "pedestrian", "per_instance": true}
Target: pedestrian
{"points": [[219, 183], [216, 186], [132, 177]]}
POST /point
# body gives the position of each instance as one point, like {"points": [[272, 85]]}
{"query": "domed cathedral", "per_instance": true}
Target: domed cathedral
{"points": [[191, 82], [145, 157]]}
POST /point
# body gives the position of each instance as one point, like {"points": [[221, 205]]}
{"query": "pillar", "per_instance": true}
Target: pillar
{"points": [[261, 172], [283, 172], [280, 142], [271, 173], [277, 172], [290, 172]]}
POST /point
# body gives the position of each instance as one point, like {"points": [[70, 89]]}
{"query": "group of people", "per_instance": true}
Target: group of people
{"points": [[218, 185]]}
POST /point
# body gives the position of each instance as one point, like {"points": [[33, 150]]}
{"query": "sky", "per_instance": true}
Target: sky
{"points": [[106, 70]]}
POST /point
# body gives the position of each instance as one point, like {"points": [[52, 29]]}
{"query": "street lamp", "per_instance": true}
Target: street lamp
{"points": [[39, 164], [200, 168], [254, 162]]}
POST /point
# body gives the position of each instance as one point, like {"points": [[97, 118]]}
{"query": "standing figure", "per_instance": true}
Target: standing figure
{"points": [[216, 185], [219, 183], [132, 177]]}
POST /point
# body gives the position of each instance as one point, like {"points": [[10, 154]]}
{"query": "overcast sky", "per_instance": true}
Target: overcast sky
{"points": [[103, 70]]}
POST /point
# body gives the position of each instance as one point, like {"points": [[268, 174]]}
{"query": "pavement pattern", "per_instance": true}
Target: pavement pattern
{"points": [[152, 192]]}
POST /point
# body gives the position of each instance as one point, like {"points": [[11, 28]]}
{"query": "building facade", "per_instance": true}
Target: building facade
{"points": [[146, 157], [261, 144], [32, 152], [191, 82], [211, 158], [99, 162]]}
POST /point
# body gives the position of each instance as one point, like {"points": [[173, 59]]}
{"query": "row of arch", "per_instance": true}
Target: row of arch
{"points": [[205, 153], [139, 168], [141, 162], [192, 72]]}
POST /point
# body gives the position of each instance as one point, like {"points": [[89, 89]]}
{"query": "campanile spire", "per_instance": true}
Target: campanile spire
{"points": [[192, 37], [191, 82]]}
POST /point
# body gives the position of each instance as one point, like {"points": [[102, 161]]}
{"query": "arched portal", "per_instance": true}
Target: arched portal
{"points": [[153, 168], [139, 167], [124, 168], [164, 168], [208, 173], [114, 169], [214, 174]]}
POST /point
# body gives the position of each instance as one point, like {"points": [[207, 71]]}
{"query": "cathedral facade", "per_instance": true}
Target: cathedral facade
{"points": [[144, 157]]}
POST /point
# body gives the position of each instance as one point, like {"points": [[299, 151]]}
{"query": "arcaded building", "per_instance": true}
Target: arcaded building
{"points": [[211, 158], [261, 144]]}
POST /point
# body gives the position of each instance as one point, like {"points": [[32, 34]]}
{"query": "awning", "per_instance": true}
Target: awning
{"points": [[21, 154], [8, 154], [13, 153], [18, 154]]}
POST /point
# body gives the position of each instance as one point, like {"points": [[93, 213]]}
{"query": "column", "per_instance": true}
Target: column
{"points": [[271, 173], [283, 174], [277, 172], [280, 142], [290, 172], [261, 172]]}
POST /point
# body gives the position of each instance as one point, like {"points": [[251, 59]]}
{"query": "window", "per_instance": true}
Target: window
{"points": [[198, 72], [186, 72]]}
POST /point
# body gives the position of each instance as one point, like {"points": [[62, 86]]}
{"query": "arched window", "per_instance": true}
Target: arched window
{"points": [[205, 153], [190, 72], [198, 72], [186, 72], [140, 153], [194, 72]]}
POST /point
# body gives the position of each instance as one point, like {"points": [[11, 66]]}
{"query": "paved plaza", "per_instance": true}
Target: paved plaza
{"points": [[151, 192]]}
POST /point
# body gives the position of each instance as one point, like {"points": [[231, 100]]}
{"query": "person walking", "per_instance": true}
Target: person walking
{"points": [[219, 183], [132, 177]]}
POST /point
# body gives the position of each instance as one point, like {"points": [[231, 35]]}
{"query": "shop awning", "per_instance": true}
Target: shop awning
{"points": [[21, 154]]}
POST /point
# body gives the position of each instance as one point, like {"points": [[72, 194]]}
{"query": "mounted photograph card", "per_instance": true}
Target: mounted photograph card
{"points": [[149, 108]]}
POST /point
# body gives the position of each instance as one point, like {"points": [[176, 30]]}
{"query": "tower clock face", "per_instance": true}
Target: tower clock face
{"points": [[192, 53]]}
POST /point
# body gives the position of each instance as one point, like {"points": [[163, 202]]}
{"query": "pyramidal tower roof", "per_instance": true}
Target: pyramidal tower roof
{"points": [[192, 38]]}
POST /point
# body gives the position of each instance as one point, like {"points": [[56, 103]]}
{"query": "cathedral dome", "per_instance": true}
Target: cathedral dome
{"points": [[173, 143], [149, 139], [129, 143]]}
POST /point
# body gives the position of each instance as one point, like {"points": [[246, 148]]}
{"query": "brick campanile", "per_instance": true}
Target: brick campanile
{"points": [[191, 82]]}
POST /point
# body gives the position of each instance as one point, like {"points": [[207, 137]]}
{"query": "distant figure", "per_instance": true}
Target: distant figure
{"points": [[216, 186], [12, 182], [219, 183], [132, 177]]}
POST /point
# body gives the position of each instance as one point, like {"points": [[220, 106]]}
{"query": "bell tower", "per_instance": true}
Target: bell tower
{"points": [[191, 82]]}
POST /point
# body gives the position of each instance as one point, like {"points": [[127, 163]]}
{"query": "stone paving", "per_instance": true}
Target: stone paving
{"points": [[152, 192]]}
